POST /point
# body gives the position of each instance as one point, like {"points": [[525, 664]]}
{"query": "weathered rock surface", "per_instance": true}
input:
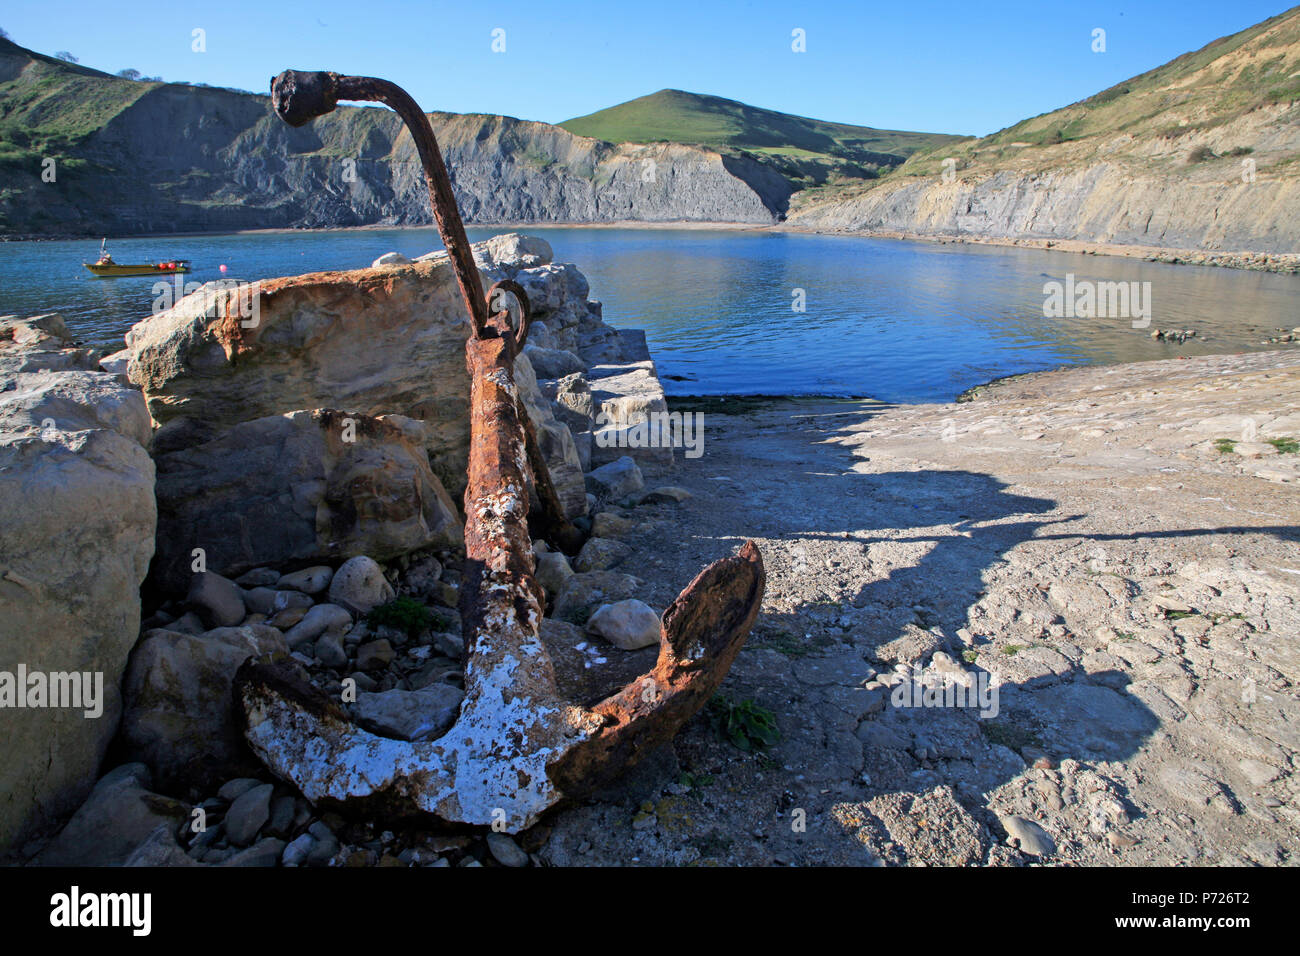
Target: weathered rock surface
{"points": [[388, 341], [359, 585], [119, 815], [629, 625], [77, 524], [410, 714], [178, 717], [305, 486]]}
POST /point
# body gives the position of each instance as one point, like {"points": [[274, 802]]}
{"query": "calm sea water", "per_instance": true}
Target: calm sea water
{"points": [[895, 320]]}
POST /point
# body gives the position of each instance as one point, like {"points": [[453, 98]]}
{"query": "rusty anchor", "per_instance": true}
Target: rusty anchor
{"points": [[517, 747]]}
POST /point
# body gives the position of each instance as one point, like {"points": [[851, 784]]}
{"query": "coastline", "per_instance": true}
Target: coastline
{"points": [[1278, 262]]}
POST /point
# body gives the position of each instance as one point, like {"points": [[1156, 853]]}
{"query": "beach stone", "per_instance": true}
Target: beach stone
{"points": [[629, 624], [616, 480], [265, 852], [553, 571], [584, 592], [218, 600], [601, 554], [248, 814], [120, 814], [287, 618], [375, 655], [410, 714], [160, 848], [321, 619], [505, 850], [232, 790], [360, 586], [390, 259], [329, 651], [607, 524], [298, 849], [1029, 836], [292, 600], [309, 580], [260, 600], [179, 716], [258, 578]]}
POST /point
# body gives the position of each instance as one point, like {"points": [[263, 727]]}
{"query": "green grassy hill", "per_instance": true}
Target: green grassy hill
{"points": [[680, 117], [1231, 98]]}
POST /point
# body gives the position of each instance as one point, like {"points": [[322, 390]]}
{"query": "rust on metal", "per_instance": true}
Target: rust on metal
{"points": [[517, 747]]}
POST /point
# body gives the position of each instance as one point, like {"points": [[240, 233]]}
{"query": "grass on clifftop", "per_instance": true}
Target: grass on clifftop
{"points": [[679, 117]]}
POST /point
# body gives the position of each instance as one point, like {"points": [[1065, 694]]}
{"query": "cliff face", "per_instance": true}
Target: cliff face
{"points": [[1200, 153], [172, 158]]}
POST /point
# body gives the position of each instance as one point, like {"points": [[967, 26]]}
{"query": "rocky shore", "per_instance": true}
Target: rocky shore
{"points": [[1111, 550]]}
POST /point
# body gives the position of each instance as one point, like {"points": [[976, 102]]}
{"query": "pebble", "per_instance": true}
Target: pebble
{"points": [[505, 851], [1032, 838], [295, 854], [248, 814], [375, 656], [219, 601], [308, 580]]}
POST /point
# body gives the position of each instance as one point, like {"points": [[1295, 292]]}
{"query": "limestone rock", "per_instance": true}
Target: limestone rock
{"points": [[119, 815], [386, 341], [178, 716], [553, 571], [219, 601], [583, 593], [300, 487], [410, 714], [77, 521], [308, 580], [359, 585], [628, 625], [601, 554], [616, 480]]}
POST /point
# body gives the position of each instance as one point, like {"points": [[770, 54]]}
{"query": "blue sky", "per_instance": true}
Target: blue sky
{"points": [[969, 67]]}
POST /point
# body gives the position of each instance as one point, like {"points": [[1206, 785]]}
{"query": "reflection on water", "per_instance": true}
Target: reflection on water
{"points": [[900, 321]]}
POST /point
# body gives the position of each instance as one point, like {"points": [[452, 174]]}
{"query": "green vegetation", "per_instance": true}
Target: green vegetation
{"points": [[1224, 446], [406, 614], [1011, 650], [679, 117], [809, 152], [745, 725], [1284, 446], [52, 106]]}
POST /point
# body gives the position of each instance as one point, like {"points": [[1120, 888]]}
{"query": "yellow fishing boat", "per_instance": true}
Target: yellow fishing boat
{"points": [[106, 267]]}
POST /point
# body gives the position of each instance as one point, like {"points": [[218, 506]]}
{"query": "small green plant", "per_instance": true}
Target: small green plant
{"points": [[694, 781], [970, 657], [1179, 615], [744, 724], [406, 614], [1284, 446], [1200, 154], [1011, 650], [1224, 446]]}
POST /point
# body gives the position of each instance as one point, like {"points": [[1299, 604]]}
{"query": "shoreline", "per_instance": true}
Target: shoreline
{"points": [[1283, 263]]}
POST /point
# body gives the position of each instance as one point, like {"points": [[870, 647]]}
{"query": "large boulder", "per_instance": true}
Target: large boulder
{"points": [[77, 524], [386, 341], [41, 343], [120, 814], [179, 717], [302, 487]]}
